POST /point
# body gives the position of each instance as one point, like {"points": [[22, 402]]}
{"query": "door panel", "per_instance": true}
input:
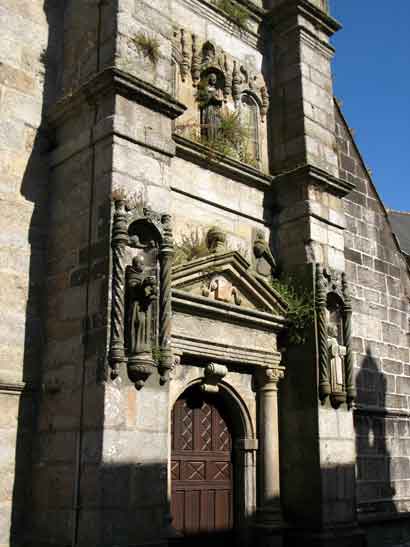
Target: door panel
{"points": [[201, 466]]}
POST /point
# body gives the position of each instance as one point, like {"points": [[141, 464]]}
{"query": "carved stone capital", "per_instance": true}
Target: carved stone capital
{"points": [[267, 379]]}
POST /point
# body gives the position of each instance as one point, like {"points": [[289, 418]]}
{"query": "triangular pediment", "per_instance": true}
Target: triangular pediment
{"points": [[227, 277]]}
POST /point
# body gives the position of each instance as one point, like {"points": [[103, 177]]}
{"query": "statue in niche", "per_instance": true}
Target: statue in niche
{"points": [[211, 100], [265, 263], [141, 292], [337, 353]]}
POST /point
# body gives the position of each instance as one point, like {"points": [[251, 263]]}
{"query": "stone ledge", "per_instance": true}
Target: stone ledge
{"points": [[115, 81], [364, 516], [309, 174], [387, 412], [223, 165]]}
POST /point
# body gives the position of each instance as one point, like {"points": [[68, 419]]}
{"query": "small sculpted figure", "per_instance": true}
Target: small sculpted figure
{"points": [[211, 99], [141, 292], [265, 263], [337, 354]]}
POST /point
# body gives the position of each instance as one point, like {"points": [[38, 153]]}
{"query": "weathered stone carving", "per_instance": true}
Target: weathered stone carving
{"points": [[214, 374], [216, 240], [200, 60], [144, 240], [211, 100], [265, 263], [140, 294], [336, 356], [333, 313], [219, 288]]}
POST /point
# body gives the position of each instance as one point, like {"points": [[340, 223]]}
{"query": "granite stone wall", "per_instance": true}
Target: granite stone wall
{"points": [[29, 54], [380, 287]]}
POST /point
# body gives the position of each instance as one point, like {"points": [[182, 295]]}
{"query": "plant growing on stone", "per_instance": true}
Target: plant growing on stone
{"points": [[191, 246], [148, 46], [232, 138], [300, 314], [238, 14]]}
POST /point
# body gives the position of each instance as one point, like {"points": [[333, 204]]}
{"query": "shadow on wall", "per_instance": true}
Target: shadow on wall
{"points": [[34, 189], [375, 489]]}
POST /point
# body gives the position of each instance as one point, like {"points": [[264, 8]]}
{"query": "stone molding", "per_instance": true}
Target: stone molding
{"points": [[309, 174], [313, 209], [16, 388], [114, 81], [214, 351], [223, 165], [377, 411]]}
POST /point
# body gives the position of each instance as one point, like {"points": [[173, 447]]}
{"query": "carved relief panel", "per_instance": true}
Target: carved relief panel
{"points": [[227, 100]]}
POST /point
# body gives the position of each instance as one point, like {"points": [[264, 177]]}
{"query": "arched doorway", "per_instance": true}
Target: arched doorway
{"points": [[202, 498]]}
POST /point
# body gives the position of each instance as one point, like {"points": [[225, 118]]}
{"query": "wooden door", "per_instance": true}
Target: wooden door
{"points": [[201, 467]]}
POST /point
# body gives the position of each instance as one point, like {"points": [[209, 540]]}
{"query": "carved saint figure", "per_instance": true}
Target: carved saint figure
{"points": [[141, 292], [265, 263], [211, 99], [337, 354]]}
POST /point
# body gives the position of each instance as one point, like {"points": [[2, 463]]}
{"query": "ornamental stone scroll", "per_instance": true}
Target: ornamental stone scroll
{"points": [[142, 251]]}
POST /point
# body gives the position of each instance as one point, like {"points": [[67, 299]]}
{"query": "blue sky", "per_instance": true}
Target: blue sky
{"points": [[372, 79]]}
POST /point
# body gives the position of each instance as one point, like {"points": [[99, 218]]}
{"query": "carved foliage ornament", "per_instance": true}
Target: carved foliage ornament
{"points": [[142, 250], [334, 327]]}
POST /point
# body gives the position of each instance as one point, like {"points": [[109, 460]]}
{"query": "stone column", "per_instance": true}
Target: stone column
{"points": [[269, 514], [118, 244], [165, 312]]}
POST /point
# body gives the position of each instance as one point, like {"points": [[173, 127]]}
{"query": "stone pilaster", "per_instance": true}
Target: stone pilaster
{"points": [[310, 229]]}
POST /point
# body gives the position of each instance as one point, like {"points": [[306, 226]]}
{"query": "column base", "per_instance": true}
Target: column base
{"points": [[336, 536], [269, 526]]}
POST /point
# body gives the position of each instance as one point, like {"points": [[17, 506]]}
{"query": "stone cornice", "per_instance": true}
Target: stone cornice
{"points": [[292, 9], [208, 10], [309, 174], [114, 81], [223, 165]]}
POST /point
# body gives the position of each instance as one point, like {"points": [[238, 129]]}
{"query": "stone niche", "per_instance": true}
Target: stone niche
{"points": [[334, 317], [225, 98]]}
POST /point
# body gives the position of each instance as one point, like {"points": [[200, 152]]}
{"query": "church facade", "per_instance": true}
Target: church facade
{"points": [[205, 305]]}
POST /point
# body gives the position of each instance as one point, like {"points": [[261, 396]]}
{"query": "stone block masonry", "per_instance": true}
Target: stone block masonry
{"points": [[28, 76], [379, 280]]}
